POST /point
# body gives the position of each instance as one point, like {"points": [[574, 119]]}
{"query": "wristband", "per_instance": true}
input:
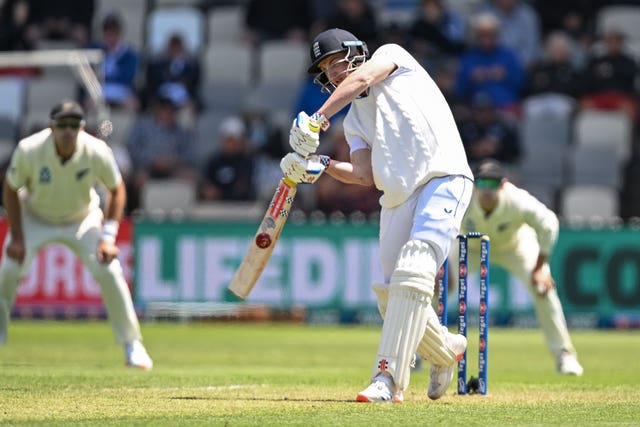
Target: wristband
{"points": [[110, 230], [325, 160]]}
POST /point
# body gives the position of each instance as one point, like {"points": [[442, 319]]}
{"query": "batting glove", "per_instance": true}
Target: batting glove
{"points": [[304, 136], [301, 170]]}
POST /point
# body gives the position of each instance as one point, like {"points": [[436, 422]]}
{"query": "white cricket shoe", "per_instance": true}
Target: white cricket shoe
{"points": [[568, 365], [380, 390], [136, 356], [441, 376]]}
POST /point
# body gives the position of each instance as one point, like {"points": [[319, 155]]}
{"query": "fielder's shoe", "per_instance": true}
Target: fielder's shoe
{"points": [[568, 365], [416, 363], [380, 390], [137, 356], [441, 376]]}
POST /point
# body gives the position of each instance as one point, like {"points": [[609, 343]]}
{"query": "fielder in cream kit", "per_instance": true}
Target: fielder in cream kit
{"points": [[404, 140], [49, 197], [523, 232]]}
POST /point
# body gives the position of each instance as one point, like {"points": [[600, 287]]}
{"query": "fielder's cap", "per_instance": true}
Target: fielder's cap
{"points": [[232, 126], [489, 169], [329, 42], [67, 108]]}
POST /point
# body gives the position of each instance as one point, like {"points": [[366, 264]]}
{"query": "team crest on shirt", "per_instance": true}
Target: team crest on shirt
{"points": [[45, 175], [81, 173], [502, 227]]}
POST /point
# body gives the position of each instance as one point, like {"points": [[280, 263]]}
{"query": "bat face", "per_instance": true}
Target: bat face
{"points": [[265, 240]]}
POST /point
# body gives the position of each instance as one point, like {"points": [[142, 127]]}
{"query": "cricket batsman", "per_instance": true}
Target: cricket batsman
{"points": [[523, 232], [49, 197], [402, 139]]}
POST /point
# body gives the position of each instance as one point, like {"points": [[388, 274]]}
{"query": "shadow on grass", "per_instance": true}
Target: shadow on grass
{"points": [[263, 399]]}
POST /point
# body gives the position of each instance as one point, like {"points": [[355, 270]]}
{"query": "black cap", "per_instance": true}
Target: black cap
{"points": [[111, 20], [489, 169], [67, 108], [333, 41]]}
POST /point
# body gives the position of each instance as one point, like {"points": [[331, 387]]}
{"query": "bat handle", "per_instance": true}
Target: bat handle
{"points": [[318, 121]]}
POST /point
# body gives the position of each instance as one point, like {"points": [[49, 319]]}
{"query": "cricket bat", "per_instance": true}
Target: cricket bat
{"points": [[264, 240], [270, 228]]}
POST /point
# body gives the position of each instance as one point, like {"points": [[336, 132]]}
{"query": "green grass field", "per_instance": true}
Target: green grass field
{"points": [[221, 374]]}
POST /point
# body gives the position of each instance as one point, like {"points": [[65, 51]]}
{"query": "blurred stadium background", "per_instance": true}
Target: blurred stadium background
{"points": [[182, 240]]}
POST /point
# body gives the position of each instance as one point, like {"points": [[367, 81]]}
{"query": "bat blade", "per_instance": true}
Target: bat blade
{"points": [[264, 241]]}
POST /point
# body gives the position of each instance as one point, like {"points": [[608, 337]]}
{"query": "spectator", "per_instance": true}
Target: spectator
{"points": [[573, 16], [176, 71], [487, 134], [553, 83], [575, 19], [229, 173], [160, 147], [437, 31], [62, 20], [609, 78], [490, 67], [120, 65], [278, 19], [15, 33], [263, 135], [554, 72], [358, 17], [519, 27]]}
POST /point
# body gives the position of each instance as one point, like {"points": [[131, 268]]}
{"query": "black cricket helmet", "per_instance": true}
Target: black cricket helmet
{"points": [[333, 41]]}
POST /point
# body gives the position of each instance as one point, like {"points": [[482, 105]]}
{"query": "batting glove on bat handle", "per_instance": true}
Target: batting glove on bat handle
{"points": [[304, 136], [321, 121], [300, 170]]}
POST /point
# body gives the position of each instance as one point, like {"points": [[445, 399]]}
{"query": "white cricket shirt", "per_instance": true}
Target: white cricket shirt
{"points": [[408, 125], [59, 192], [516, 210]]}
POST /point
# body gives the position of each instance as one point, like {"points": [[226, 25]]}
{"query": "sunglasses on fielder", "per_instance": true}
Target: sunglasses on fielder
{"points": [[72, 124], [488, 183]]}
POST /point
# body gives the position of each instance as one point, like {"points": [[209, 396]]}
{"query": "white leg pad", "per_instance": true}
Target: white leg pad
{"points": [[402, 329], [416, 267], [433, 346], [405, 318], [382, 292]]}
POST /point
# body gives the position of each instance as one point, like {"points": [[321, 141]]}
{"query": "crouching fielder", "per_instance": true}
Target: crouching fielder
{"points": [[523, 232], [49, 197], [403, 139]]}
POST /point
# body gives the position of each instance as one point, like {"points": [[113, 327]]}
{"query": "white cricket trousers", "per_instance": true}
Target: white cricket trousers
{"points": [[432, 214], [82, 238], [520, 262]]}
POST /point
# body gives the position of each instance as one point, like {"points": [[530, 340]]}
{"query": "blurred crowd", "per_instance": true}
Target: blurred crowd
{"points": [[500, 63]]}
